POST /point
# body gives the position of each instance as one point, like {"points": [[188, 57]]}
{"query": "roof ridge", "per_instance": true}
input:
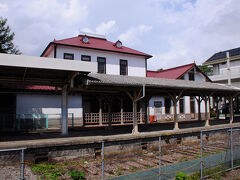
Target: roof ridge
{"points": [[174, 68]]}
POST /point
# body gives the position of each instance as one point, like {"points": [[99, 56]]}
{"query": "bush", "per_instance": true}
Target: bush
{"points": [[181, 176], [76, 175]]}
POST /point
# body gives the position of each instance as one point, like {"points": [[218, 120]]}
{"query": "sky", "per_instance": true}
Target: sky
{"points": [[175, 32]]}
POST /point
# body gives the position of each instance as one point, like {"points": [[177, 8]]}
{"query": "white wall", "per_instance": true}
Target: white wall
{"points": [[198, 77], [47, 104], [136, 64]]}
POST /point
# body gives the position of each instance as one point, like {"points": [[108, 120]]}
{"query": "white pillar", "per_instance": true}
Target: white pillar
{"points": [[64, 122], [135, 124], [206, 112]]}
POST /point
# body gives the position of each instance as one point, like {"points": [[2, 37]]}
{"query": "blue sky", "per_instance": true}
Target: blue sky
{"points": [[175, 32]]}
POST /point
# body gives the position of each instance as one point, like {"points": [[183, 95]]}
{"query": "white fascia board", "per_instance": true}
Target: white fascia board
{"points": [[46, 63]]}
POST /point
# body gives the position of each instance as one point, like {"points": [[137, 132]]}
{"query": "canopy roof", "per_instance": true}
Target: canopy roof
{"points": [[159, 84], [29, 70]]}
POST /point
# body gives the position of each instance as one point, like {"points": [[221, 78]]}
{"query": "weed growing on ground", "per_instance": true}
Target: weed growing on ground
{"points": [[76, 175], [48, 171], [181, 176]]}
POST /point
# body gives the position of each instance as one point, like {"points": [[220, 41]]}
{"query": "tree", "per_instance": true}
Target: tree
{"points": [[206, 69], [160, 69], [6, 38]]}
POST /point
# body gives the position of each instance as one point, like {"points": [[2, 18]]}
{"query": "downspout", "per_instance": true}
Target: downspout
{"points": [[228, 68]]}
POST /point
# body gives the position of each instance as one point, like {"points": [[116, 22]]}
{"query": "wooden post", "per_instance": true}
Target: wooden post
{"points": [[141, 112], [122, 110], [134, 98], [146, 106], [109, 112], [206, 99], [175, 99], [199, 100], [135, 124], [100, 111]]}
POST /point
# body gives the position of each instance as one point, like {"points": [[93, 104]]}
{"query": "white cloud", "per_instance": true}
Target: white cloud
{"points": [[104, 28], [197, 31], [133, 35], [3, 7], [36, 23]]}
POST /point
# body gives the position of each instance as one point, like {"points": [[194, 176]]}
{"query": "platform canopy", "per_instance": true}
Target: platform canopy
{"points": [[157, 85], [29, 70]]}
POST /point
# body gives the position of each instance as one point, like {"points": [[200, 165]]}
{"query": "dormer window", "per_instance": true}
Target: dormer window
{"points": [[85, 39], [118, 44]]}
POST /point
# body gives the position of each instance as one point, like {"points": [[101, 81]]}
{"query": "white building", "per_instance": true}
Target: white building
{"points": [[220, 73], [111, 58], [187, 107]]}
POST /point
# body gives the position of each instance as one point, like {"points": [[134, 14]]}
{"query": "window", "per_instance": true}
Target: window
{"points": [[68, 56], [191, 75], [192, 105], [85, 58], [181, 105], [167, 105], [101, 65], [123, 67]]}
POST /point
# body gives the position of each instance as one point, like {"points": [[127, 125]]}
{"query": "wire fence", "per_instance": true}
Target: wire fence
{"points": [[200, 156]]}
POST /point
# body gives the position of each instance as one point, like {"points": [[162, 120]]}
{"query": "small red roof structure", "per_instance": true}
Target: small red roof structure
{"points": [[95, 43], [175, 73]]}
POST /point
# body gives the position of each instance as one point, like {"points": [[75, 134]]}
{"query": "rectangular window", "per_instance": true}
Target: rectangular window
{"points": [[123, 67], [85, 58], [192, 105], [167, 105], [101, 65], [191, 75], [181, 105], [68, 56]]}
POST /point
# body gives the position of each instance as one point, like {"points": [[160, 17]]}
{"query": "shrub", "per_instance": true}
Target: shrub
{"points": [[181, 176], [76, 175]]}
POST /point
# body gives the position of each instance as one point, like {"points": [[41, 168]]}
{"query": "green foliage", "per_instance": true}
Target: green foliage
{"points": [[76, 175], [6, 38], [181, 176], [160, 69], [206, 69], [195, 176], [48, 171]]}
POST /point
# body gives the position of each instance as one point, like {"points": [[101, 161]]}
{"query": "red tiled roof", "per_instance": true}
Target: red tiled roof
{"points": [[37, 87], [172, 73], [95, 43]]}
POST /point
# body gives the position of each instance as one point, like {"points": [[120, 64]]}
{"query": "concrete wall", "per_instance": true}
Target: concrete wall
{"points": [[136, 64]]}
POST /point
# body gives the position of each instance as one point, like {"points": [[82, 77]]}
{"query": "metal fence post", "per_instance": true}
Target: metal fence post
{"points": [[231, 144], [46, 121], [201, 170], [22, 165], [159, 156], [103, 160]]}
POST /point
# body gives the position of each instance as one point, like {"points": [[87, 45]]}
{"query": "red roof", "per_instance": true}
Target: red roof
{"points": [[172, 73], [94, 43]]}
